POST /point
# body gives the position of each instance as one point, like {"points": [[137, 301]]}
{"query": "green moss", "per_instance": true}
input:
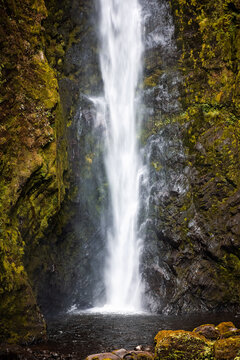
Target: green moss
{"points": [[181, 345], [33, 160], [208, 38], [39, 7], [226, 348], [20, 319], [153, 79], [74, 36]]}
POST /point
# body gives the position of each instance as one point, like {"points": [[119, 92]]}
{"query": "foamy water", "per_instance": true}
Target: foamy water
{"points": [[121, 49]]}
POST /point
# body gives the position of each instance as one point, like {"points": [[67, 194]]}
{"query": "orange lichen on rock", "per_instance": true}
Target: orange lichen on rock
{"points": [[226, 349], [224, 327]]}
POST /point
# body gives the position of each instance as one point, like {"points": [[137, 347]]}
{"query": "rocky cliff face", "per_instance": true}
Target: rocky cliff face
{"points": [[51, 199], [33, 160], [79, 81], [193, 234]]}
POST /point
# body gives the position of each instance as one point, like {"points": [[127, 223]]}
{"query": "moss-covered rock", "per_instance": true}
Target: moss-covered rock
{"points": [[207, 35], [191, 345], [33, 159], [21, 320], [226, 349], [181, 345], [225, 327]]}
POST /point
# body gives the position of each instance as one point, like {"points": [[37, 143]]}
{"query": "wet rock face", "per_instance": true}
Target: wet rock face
{"points": [[85, 153], [190, 260], [31, 183], [83, 233], [190, 206], [168, 182], [45, 223]]}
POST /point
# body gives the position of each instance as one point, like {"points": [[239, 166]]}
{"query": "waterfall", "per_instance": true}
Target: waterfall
{"points": [[121, 49]]}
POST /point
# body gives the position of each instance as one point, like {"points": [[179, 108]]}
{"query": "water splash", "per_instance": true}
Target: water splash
{"points": [[121, 66]]}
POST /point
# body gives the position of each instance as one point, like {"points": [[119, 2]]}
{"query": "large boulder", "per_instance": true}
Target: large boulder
{"points": [[180, 345]]}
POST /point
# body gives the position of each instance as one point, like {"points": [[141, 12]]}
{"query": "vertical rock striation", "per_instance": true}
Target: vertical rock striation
{"points": [[191, 258]]}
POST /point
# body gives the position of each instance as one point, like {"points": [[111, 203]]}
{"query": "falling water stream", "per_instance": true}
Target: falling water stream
{"points": [[121, 49]]}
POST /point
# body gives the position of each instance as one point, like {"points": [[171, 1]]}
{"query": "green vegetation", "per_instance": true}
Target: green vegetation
{"points": [[33, 158], [208, 35]]}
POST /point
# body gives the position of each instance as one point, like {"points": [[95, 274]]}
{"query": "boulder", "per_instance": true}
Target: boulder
{"points": [[103, 356], [180, 345], [123, 354], [209, 331], [120, 352]]}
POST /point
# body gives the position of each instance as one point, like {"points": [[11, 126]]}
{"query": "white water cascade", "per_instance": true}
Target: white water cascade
{"points": [[121, 66]]}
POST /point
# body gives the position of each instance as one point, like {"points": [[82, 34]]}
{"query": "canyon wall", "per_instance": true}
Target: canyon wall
{"points": [[52, 184], [191, 260], [33, 165]]}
